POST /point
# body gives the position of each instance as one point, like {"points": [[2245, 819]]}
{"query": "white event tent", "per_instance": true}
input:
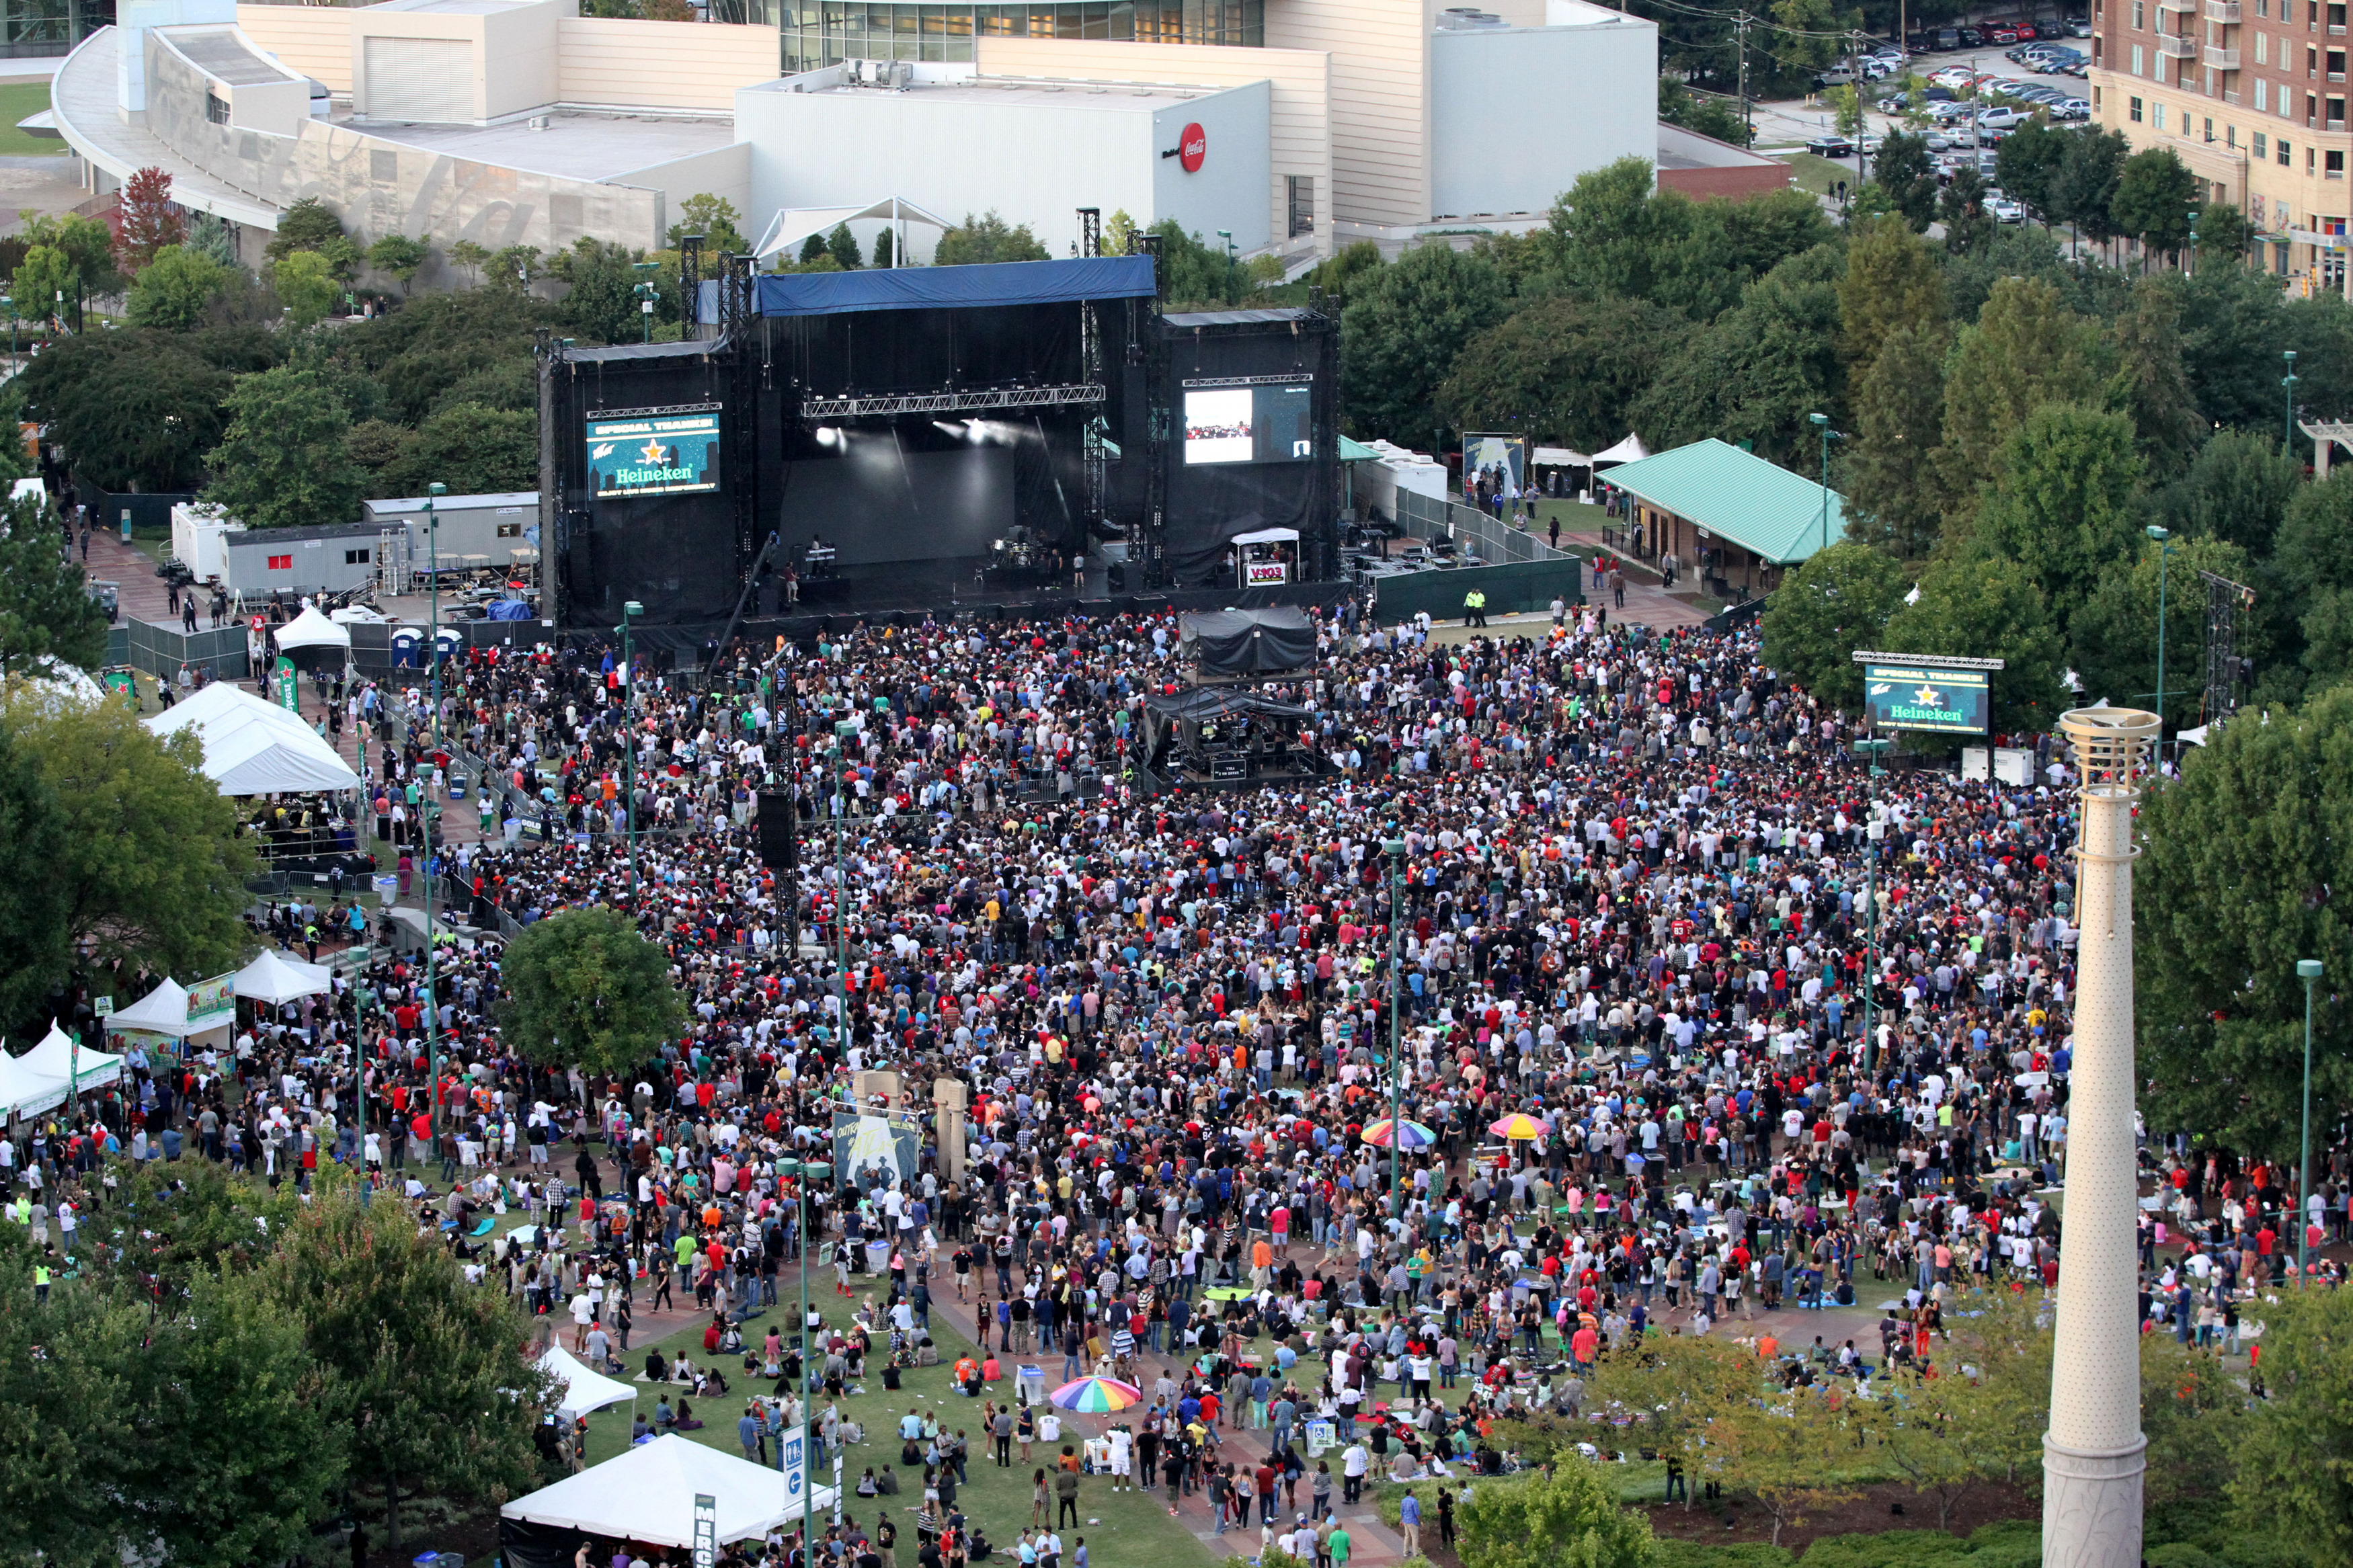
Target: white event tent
{"points": [[647, 1493], [253, 747], [43, 1077], [277, 979], [584, 1388]]}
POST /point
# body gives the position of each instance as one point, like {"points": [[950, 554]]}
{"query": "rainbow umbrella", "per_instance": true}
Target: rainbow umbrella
{"points": [[1413, 1134], [1096, 1396], [1519, 1124]]}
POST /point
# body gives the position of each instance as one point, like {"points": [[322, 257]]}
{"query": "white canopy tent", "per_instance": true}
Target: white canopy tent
{"points": [[793, 225], [1560, 458], [45, 1077], [277, 979], [1267, 536], [311, 629], [253, 747], [647, 1493], [585, 1389], [162, 1011], [1630, 450]]}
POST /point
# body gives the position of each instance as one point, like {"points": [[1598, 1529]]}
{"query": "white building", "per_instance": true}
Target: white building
{"points": [[1294, 125]]}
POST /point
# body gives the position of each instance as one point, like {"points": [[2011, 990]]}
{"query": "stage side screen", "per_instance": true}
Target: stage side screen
{"points": [[877, 504], [1250, 424], [653, 455]]}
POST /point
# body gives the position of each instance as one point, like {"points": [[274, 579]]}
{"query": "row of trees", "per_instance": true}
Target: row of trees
{"points": [[2224, 1468], [235, 1368]]}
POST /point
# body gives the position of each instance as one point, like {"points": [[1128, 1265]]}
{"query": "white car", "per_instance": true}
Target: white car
{"points": [[2072, 109], [2003, 119], [2004, 210]]}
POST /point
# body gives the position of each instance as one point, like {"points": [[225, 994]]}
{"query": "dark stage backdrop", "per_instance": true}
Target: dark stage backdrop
{"points": [[1211, 502], [879, 503]]}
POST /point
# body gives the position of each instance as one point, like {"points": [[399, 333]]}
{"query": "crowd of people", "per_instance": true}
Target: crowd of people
{"points": [[1770, 1026]]}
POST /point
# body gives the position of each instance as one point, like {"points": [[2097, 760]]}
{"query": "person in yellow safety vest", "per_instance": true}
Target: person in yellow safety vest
{"points": [[1474, 608]]}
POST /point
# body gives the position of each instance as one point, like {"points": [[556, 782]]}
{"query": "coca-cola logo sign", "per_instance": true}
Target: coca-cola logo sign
{"points": [[1191, 147]]}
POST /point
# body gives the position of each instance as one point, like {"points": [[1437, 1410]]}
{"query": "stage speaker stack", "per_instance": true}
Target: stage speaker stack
{"points": [[780, 839]]}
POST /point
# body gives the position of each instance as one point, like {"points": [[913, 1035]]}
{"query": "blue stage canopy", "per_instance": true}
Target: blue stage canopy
{"points": [[956, 288]]}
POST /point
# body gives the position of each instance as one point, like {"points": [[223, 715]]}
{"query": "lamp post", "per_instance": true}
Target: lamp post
{"points": [[10, 304], [2095, 1454], [2287, 399], [842, 730], [2164, 537], [1395, 850], [433, 493], [630, 611], [646, 291], [2308, 970], [1821, 422]]}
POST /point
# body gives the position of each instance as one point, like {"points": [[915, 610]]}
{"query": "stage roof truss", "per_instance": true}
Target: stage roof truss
{"points": [[825, 410]]}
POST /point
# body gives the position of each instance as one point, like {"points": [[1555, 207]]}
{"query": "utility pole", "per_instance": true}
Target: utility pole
{"points": [[1740, 37]]}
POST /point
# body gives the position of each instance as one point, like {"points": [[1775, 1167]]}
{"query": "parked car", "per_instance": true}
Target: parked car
{"points": [[2004, 210], [2002, 119], [2001, 33], [2079, 29], [1837, 76], [1971, 38], [1830, 147], [2056, 29], [1948, 39], [2072, 109]]}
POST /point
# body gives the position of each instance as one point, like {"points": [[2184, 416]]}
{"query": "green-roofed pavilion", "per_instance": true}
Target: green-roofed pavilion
{"points": [[1727, 513]]}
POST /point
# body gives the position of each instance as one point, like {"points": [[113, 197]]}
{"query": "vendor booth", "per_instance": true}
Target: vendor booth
{"points": [[175, 1019], [646, 1494], [51, 1073], [276, 979], [314, 643], [585, 1389], [253, 747]]}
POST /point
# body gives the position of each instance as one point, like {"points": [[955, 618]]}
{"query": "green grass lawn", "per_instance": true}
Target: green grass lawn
{"points": [[1818, 176], [18, 99], [1129, 1527]]}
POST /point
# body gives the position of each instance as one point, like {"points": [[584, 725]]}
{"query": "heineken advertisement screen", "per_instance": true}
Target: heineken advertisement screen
{"points": [[1910, 697], [653, 454]]}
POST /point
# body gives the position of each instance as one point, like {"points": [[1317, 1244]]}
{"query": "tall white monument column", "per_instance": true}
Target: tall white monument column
{"points": [[2094, 1455]]}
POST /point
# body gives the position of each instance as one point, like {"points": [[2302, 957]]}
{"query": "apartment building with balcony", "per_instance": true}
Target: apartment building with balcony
{"points": [[2251, 95]]}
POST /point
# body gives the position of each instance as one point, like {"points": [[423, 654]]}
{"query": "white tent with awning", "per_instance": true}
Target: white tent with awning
{"points": [[311, 629], [1267, 536], [1630, 450], [277, 979], [162, 1011], [253, 747], [647, 1493], [793, 225], [585, 1389], [45, 1077]]}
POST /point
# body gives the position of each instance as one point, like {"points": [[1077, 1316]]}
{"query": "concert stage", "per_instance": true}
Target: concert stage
{"points": [[1011, 438]]}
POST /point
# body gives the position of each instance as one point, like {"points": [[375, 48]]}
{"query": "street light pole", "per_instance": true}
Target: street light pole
{"points": [[646, 291], [630, 611], [2164, 555], [1821, 422], [1872, 748], [433, 493], [1395, 850], [2287, 398], [2308, 970]]}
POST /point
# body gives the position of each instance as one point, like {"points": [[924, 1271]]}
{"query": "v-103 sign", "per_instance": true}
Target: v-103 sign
{"points": [[653, 455], [1925, 696]]}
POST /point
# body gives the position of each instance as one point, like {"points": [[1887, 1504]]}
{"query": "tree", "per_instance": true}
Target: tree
{"points": [[285, 460], [2026, 349], [233, 1457], [1837, 602], [35, 955], [1981, 1418], [45, 612], [2066, 501], [210, 235], [2239, 485], [400, 257], [1674, 1391], [44, 284], [882, 249], [515, 268], [134, 409], [1980, 605], [2152, 200], [985, 238], [2242, 851], [1401, 332], [307, 286], [2224, 233], [1788, 1453], [1904, 171], [715, 220], [424, 1373], [1725, 246], [602, 300], [2150, 385], [473, 449], [172, 290], [1757, 371], [2027, 165], [307, 224], [1678, 105], [842, 246], [585, 989], [149, 219], [1615, 229], [2289, 1481], [88, 246], [1569, 1515], [1894, 500], [2113, 635], [1566, 366], [154, 866], [813, 251], [471, 255], [1891, 283], [2085, 189], [1961, 209], [2311, 575]]}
